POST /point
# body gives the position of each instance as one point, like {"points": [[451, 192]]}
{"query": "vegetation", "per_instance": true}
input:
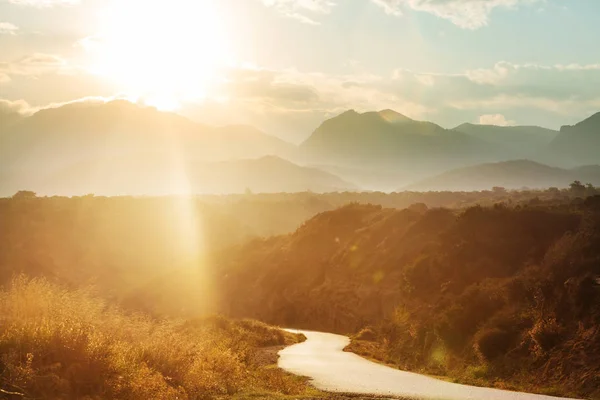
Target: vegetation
{"points": [[58, 343], [503, 296], [115, 304], [119, 290]]}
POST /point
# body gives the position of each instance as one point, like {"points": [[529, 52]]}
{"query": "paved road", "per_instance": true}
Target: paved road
{"points": [[321, 358]]}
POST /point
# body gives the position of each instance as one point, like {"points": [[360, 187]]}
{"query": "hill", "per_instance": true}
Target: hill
{"points": [[509, 175], [579, 143], [388, 139], [486, 295]]}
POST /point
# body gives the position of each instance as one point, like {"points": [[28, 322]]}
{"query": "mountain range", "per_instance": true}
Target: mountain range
{"points": [[119, 146], [83, 131], [387, 139]]}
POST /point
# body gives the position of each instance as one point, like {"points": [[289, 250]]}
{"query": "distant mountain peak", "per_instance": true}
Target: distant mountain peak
{"points": [[594, 117], [273, 158], [464, 125], [591, 123], [393, 116]]}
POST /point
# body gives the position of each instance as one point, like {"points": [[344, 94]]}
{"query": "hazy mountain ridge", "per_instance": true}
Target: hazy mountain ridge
{"points": [[579, 143], [467, 285], [524, 141], [81, 131], [381, 138], [508, 174], [381, 150]]}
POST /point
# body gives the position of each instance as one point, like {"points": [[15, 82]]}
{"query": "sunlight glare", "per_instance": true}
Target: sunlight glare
{"points": [[161, 52], [162, 102]]}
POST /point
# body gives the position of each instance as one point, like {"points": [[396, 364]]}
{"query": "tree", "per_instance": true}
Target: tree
{"points": [[590, 190], [24, 194], [577, 188]]}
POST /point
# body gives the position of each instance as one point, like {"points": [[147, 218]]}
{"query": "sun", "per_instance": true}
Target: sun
{"points": [[161, 52]]}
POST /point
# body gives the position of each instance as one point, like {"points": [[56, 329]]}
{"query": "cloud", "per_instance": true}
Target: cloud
{"points": [[17, 106], [292, 103], [8, 28], [24, 108], [86, 100], [269, 86], [391, 7], [547, 95], [467, 14], [291, 90], [297, 9], [494, 119], [33, 65], [505, 80], [44, 3], [490, 76]]}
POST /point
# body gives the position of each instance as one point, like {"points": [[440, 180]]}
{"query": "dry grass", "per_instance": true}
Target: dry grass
{"points": [[57, 343]]}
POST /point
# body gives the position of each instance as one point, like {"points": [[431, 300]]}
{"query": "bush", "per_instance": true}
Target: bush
{"points": [[366, 334], [491, 343], [546, 333]]}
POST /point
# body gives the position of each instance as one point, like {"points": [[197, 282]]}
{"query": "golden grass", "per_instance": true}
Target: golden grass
{"points": [[57, 343]]}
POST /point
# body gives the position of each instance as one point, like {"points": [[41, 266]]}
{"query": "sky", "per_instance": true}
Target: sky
{"points": [[286, 65]]}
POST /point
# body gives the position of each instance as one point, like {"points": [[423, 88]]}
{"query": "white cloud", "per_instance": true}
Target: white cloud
{"points": [[24, 108], [8, 28], [467, 14], [495, 119], [44, 3], [33, 65], [490, 76], [292, 102], [577, 67], [565, 107], [391, 7], [530, 93], [17, 106], [86, 100], [297, 9]]}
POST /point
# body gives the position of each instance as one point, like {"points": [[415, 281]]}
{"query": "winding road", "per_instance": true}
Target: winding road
{"points": [[321, 358]]}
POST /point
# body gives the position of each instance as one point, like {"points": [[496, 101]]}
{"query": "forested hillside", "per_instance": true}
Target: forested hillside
{"points": [[506, 295]]}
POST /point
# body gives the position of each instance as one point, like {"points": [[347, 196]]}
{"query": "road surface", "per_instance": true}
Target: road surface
{"points": [[321, 358]]}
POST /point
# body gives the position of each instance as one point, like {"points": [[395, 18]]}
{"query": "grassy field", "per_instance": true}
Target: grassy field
{"points": [[70, 344]]}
